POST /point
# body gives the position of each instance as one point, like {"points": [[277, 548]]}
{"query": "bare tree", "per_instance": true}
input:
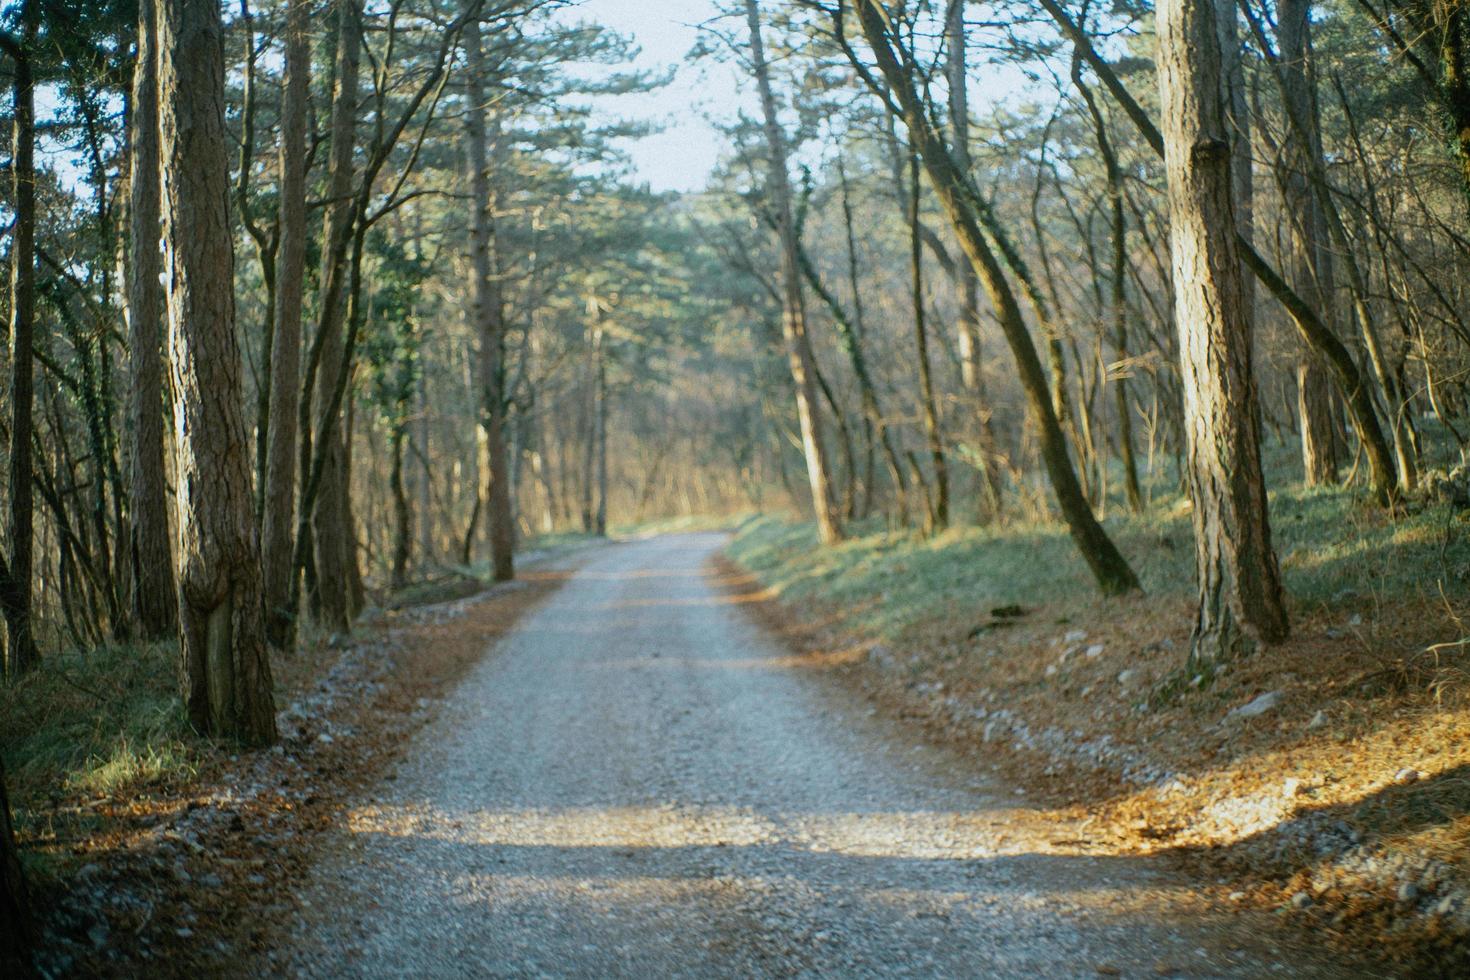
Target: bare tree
{"points": [[793, 307], [1239, 583], [226, 672]]}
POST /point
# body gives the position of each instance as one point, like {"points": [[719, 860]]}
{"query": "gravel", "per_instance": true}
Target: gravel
{"points": [[639, 782]]}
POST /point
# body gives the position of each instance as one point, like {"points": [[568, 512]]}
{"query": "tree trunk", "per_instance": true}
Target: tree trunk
{"points": [[599, 428], [332, 536], [16, 587], [939, 506], [1313, 330], [1109, 568], [1311, 258], [972, 377], [16, 932], [489, 320], [226, 672], [1239, 583], [277, 546], [155, 602], [402, 513], [793, 309]]}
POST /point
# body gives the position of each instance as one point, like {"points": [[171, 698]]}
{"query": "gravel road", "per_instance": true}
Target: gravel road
{"points": [[639, 782]]}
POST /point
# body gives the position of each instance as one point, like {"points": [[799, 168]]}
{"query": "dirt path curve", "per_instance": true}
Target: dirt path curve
{"points": [[639, 783]]}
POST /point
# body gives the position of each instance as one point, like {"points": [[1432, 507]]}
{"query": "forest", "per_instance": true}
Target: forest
{"points": [[1143, 327]]}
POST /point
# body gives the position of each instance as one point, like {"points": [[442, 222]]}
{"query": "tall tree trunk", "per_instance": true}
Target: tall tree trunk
{"points": [[972, 373], [793, 309], [16, 587], [1240, 596], [1118, 275], [489, 320], [16, 929], [939, 508], [957, 196], [1311, 257], [155, 602], [226, 672], [599, 424], [279, 494], [332, 535]]}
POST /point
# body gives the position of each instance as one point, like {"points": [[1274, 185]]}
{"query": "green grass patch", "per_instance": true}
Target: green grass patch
{"points": [[98, 722], [1334, 549]]}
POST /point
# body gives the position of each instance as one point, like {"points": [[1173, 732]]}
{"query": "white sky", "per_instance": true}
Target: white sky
{"points": [[680, 157]]}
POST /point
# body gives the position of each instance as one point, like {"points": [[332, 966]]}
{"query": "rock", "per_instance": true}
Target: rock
{"points": [[1257, 707], [1408, 892], [1302, 900], [1406, 776], [1094, 651], [877, 653], [1318, 720], [1445, 906], [99, 934], [1075, 636], [1126, 677], [324, 738], [183, 932]]}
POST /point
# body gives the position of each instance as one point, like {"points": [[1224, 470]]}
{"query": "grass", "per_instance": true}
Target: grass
{"points": [[1334, 550], [97, 722]]}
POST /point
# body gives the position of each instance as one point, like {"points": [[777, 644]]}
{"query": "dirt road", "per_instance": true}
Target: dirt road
{"points": [[640, 783]]}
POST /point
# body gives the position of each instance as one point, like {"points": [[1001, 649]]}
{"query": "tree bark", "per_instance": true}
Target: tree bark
{"points": [[402, 512], [793, 309], [489, 315], [226, 672], [332, 536], [1311, 258], [16, 587], [279, 518], [155, 602], [1108, 566], [1239, 583]]}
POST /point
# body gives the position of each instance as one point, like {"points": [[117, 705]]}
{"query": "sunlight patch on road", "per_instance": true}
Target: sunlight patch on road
{"points": [[903, 835]]}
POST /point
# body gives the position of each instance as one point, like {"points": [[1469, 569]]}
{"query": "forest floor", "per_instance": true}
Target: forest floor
{"points": [[153, 852], [1325, 780]]}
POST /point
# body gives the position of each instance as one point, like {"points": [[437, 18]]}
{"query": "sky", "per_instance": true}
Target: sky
{"points": [[680, 157]]}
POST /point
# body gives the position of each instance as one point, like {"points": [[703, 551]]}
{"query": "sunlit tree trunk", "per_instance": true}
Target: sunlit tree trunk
{"points": [[793, 312], [16, 587], [226, 673], [279, 494], [1311, 258], [489, 320], [1240, 596], [155, 601]]}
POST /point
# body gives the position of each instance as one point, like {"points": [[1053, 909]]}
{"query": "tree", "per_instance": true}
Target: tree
{"points": [[334, 546], [489, 314], [279, 493], [959, 199], [15, 570], [793, 307], [225, 669], [155, 602], [1239, 584]]}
